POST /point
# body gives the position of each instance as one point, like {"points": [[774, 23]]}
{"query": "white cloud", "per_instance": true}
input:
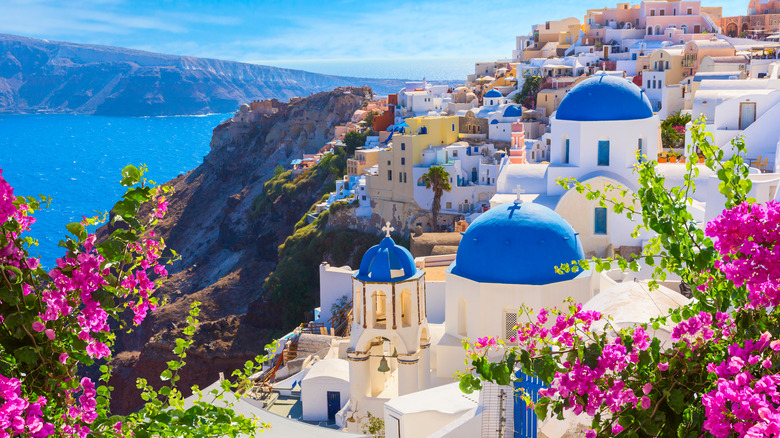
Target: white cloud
{"points": [[51, 18]]}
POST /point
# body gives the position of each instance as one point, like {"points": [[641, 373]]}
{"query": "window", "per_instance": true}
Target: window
{"points": [[403, 161], [510, 321], [462, 328], [603, 153], [406, 308], [566, 152], [380, 309], [454, 153], [389, 175], [449, 205], [388, 162], [453, 127], [652, 12], [639, 148], [662, 12], [690, 11], [600, 220], [403, 146], [364, 197]]}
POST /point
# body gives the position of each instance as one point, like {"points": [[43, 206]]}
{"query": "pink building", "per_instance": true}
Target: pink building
{"points": [[517, 149], [685, 20]]}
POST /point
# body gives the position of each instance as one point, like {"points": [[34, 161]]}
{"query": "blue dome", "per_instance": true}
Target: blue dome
{"points": [[513, 111], [602, 98], [494, 122], [493, 93], [517, 244], [387, 263]]}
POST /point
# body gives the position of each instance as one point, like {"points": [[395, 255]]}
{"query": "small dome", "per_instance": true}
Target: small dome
{"points": [[517, 244], [602, 98], [493, 93], [513, 111], [387, 263], [494, 122]]}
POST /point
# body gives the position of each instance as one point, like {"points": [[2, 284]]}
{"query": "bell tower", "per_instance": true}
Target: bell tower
{"points": [[389, 349]]}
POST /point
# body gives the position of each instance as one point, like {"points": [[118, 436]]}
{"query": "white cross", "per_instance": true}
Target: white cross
{"points": [[388, 229], [519, 190]]}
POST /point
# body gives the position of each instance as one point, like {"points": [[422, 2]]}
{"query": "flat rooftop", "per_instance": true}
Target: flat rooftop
{"points": [[435, 273]]}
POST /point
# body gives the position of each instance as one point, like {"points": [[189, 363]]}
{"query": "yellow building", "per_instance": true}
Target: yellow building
{"points": [[549, 99], [551, 36], [669, 62], [364, 158], [394, 180]]}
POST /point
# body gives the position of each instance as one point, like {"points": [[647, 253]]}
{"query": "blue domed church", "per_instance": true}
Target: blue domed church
{"points": [[510, 255], [603, 127]]}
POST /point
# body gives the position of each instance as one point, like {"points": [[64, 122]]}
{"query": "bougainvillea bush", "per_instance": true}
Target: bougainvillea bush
{"points": [[55, 323], [719, 376]]}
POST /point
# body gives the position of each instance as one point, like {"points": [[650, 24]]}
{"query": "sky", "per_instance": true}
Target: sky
{"points": [[274, 31]]}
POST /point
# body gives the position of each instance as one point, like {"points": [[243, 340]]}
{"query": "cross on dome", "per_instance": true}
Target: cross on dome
{"points": [[387, 229], [519, 190]]}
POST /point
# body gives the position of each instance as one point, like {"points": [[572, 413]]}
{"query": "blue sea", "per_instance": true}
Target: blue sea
{"points": [[76, 160]]}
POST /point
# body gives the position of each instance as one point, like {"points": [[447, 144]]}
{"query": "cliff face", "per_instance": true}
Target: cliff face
{"points": [[59, 77], [228, 249]]}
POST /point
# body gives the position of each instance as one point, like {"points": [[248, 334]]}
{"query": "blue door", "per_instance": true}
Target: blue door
{"points": [[334, 404], [525, 419]]}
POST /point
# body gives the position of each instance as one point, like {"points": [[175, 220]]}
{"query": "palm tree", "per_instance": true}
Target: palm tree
{"points": [[439, 180]]}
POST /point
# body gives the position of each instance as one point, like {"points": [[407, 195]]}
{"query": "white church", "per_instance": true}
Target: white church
{"points": [[411, 316]]}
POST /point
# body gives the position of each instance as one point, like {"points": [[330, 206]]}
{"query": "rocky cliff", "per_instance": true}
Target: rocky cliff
{"points": [[227, 222], [59, 77]]}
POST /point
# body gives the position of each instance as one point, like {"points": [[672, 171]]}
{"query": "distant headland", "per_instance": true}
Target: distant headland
{"points": [[40, 76]]}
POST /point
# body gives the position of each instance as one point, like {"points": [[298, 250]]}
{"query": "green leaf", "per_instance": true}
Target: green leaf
{"points": [[541, 407], [75, 228], [130, 176], [166, 375], [677, 401], [26, 354]]}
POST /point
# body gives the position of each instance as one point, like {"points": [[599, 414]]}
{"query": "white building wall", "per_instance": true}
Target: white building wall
{"points": [[435, 296], [334, 284], [623, 136], [314, 396], [500, 131], [671, 100]]}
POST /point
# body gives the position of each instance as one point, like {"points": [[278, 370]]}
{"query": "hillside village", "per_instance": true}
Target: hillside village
{"points": [[470, 175]]}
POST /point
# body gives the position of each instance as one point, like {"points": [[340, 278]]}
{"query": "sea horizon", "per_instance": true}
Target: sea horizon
{"points": [[432, 69]]}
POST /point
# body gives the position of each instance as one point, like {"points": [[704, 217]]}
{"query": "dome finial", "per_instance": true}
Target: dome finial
{"points": [[387, 229]]}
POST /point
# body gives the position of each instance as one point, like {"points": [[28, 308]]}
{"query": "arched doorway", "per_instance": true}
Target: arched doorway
{"points": [[731, 30]]}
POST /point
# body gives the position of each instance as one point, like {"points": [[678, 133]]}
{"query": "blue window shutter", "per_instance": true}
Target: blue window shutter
{"points": [[604, 153], [566, 158], [600, 221]]}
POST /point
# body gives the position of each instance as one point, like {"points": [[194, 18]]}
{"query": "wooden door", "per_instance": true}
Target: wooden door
{"points": [[334, 404], [747, 114]]}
